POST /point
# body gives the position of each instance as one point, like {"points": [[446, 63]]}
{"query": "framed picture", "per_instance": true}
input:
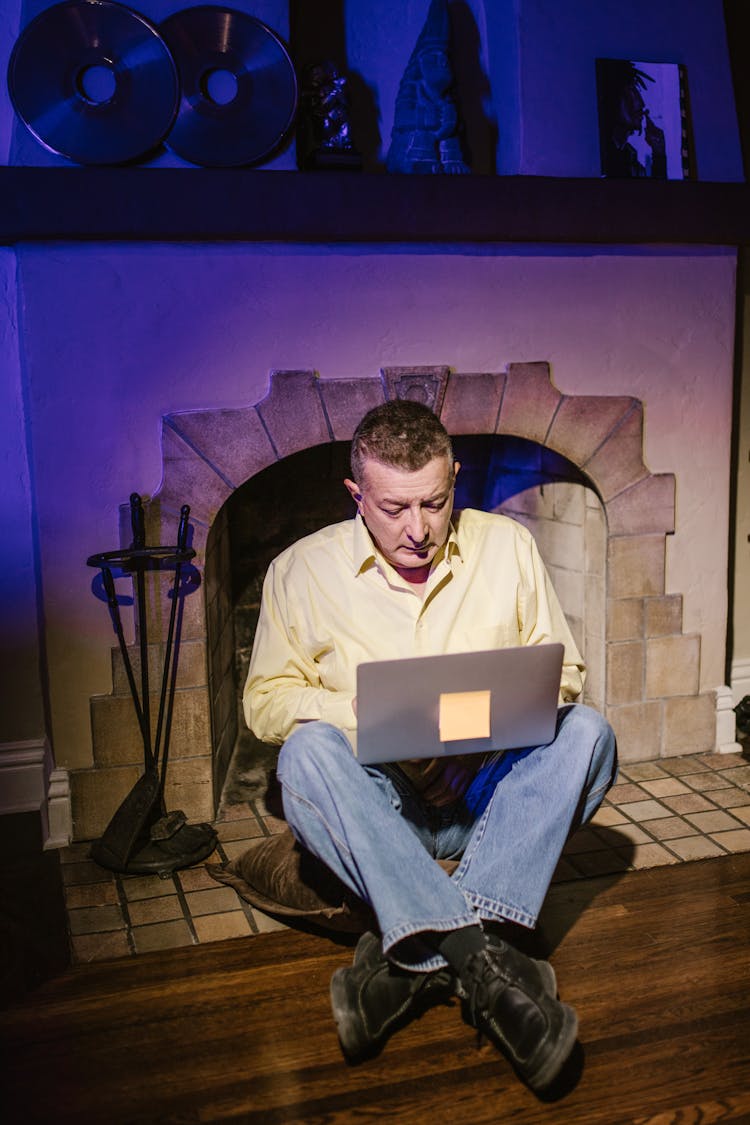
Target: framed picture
{"points": [[644, 130]]}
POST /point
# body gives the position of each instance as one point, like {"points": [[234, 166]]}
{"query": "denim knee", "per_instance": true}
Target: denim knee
{"points": [[593, 735], [311, 749]]}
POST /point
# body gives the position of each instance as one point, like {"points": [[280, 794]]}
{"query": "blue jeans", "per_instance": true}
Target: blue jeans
{"points": [[369, 826]]}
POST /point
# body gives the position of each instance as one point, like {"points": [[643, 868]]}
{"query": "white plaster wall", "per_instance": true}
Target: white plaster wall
{"points": [[21, 707], [115, 337]]}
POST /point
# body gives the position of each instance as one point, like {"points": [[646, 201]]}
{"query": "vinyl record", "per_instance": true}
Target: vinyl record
{"points": [[93, 81], [238, 86]]}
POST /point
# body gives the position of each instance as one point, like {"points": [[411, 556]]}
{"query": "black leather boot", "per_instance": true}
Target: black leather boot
{"points": [[507, 996], [374, 997]]}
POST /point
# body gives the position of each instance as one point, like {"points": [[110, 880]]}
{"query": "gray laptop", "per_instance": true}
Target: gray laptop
{"points": [[459, 703]]}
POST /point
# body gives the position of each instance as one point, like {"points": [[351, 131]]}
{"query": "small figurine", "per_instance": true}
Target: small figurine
{"points": [[324, 138], [425, 129]]}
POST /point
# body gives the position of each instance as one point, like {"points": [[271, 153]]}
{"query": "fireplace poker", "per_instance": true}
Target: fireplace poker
{"points": [[139, 544], [169, 668], [114, 608], [142, 837]]}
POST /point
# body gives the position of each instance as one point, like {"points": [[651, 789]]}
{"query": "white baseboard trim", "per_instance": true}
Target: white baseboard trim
{"points": [[29, 782], [726, 722], [740, 674]]}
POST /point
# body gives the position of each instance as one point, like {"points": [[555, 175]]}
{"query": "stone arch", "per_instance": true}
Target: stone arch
{"points": [[652, 689]]}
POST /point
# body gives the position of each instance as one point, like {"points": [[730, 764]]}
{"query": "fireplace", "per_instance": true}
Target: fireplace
{"points": [[570, 466]]}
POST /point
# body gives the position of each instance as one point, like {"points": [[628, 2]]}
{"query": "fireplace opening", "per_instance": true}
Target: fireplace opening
{"points": [[304, 491]]}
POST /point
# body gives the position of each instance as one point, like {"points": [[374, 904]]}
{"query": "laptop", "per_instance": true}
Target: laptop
{"points": [[457, 703]]}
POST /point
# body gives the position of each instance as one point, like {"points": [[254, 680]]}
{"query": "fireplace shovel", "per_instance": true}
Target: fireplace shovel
{"points": [[142, 838]]}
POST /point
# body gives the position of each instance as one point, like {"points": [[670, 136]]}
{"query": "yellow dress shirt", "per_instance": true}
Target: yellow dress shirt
{"points": [[331, 601]]}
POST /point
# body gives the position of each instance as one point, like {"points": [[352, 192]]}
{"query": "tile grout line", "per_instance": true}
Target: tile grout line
{"points": [[124, 906], [185, 908]]}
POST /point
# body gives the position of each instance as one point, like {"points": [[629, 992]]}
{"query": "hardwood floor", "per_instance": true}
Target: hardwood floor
{"points": [[657, 962]]}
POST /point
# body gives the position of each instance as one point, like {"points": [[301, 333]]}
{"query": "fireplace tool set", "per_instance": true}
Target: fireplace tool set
{"points": [[142, 836]]}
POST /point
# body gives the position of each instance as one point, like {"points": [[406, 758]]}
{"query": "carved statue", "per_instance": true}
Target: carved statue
{"points": [[425, 129], [324, 127]]}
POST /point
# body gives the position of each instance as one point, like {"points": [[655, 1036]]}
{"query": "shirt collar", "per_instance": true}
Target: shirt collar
{"points": [[365, 554]]}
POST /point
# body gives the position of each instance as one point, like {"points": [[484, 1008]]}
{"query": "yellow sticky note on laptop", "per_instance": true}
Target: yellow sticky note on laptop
{"points": [[464, 714]]}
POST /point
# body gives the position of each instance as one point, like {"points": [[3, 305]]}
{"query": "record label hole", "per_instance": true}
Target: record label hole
{"points": [[97, 83], [219, 86]]}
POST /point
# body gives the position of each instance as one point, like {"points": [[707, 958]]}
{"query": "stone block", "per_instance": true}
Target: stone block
{"points": [[188, 479], [638, 728], [117, 738], [593, 605], [618, 463], [419, 384], [346, 401], [95, 797], [528, 499], [647, 506], [624, 672], [190, 615], [292, 412], [583, 422], [672, 666], [689, 725], [595, 541], [636, 566], [189, 788], [568, 501], [233, 442], [663, 615], [569, 586], [472, 403], [115, 732], [529, 402], [594, 690], [191, 666], [191, 724], [560, 544], [625, 618]]}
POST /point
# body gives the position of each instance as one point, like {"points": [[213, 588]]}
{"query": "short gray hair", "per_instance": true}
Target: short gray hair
{"points": [[402, 433]]}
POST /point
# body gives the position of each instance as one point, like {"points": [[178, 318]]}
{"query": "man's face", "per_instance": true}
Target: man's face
{"points": [[407, 513], [632, 106]]}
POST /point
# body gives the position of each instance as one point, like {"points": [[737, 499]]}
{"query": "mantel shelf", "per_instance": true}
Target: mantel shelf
{"points": [[246, 205]]}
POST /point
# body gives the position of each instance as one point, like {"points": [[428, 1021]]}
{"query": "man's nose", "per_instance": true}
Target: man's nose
{"points": [[416, 526]]}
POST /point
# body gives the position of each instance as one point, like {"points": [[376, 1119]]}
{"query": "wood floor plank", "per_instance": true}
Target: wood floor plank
{"points": [[656, 962]]}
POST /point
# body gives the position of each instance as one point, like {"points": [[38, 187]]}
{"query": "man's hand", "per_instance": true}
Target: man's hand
{"points": [[654, 136], [445, 780]]}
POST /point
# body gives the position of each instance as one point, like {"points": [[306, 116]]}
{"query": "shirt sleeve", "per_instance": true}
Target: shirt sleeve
{"points": [[541, 620], [283, 686]]}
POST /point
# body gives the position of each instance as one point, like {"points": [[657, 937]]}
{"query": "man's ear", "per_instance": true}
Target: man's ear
{"points": [[456, 467], [353, 490]]}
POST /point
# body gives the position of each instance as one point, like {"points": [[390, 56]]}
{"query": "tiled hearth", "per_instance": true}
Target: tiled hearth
{"points": [[659, 812]]}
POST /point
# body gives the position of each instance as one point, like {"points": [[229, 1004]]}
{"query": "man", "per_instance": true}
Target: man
{"points": [[401, 579]]}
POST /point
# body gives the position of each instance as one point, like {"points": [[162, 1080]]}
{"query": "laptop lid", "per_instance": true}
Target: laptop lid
{"points": [[457, 703]]}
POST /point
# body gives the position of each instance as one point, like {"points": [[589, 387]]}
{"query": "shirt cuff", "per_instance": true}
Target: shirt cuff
{"points": [[336, 708]]}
